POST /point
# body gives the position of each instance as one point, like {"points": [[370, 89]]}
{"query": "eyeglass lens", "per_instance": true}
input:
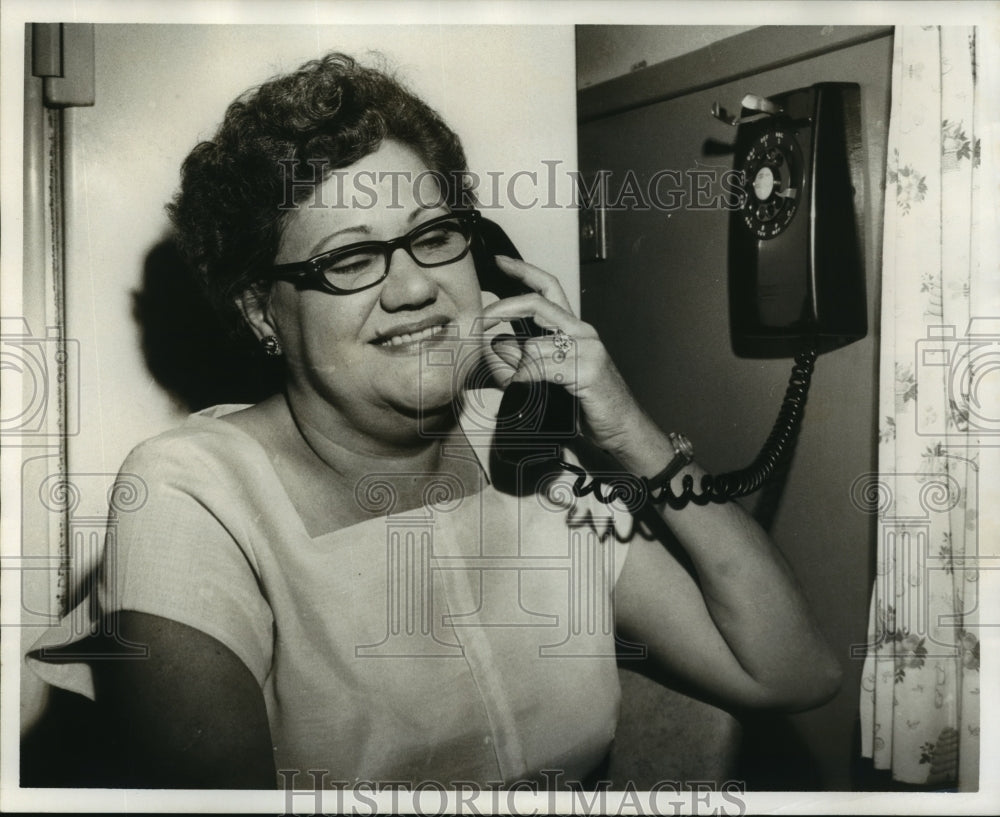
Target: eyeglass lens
{"points": [[436, 245]]}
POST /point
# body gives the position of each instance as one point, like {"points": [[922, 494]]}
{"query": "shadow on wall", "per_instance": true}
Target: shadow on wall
{"points": [[190, 353]]}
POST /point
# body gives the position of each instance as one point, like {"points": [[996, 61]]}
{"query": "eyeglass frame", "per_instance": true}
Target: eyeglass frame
{"points": [[308, 274]]}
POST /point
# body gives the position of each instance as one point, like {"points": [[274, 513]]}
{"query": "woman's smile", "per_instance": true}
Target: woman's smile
{"points": [[411, 337]]}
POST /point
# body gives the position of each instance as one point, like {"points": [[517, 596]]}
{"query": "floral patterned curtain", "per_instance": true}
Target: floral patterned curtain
{"points": [[920, 686]]}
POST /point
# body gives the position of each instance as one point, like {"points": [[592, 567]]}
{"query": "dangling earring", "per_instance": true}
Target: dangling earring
{"points": [[272, 348]]}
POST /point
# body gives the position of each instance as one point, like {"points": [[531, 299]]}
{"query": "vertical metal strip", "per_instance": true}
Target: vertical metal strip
{"points": [[78, 562], [43, 304], [55, 323], [40, 588], [57, 78]]}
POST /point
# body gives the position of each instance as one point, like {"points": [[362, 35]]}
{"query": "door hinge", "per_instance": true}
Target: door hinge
{"points": [[593, 235], [63, 55]]}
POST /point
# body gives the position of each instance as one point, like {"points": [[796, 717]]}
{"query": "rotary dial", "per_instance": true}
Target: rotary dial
{"points": [[772, 181]]}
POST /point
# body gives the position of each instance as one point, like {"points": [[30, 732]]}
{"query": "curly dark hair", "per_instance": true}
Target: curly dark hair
{"points": [[331, 112]]}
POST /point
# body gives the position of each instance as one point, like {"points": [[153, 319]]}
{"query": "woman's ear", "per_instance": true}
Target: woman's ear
{"points": [[252, 305]]}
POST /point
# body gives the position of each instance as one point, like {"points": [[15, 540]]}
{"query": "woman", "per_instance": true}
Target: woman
{"points": [[329, 579]]}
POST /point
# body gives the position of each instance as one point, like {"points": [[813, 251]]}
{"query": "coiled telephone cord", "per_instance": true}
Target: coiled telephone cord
{"points": [[635, 492]]}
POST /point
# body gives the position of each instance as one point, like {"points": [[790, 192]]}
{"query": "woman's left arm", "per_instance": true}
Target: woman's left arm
{"points": [[739, 629]]}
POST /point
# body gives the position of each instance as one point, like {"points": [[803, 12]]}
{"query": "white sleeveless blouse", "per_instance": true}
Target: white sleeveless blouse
{"points": [[469, 640]]}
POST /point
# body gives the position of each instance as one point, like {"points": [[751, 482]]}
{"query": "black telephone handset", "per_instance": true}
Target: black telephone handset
{"points": [[535, 418]]}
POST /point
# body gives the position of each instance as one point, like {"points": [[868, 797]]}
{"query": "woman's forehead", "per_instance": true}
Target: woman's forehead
{"points": [[393, 177], [386, 191]]}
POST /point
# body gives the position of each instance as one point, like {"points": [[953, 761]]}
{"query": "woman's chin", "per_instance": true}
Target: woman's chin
{"points": [[434, 388], [437, 418], [433, 407]]}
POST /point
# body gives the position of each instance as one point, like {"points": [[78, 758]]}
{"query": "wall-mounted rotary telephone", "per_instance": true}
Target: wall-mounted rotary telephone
{"points": [[796, 283], [795, 272]]}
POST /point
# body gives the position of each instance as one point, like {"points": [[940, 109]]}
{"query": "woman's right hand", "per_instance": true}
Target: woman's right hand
{"points": [[575, 358]]}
